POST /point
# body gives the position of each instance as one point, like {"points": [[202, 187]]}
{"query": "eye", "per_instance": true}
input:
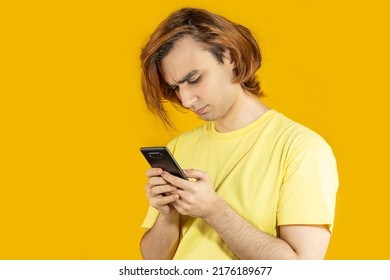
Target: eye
{"points": [[194, 81], [172, 87]]}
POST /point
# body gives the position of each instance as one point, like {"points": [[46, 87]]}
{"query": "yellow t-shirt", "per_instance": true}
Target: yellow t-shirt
{"points": [[272, 172]]}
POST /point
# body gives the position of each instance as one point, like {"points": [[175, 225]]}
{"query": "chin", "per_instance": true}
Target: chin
{"points": [[207, 117]]}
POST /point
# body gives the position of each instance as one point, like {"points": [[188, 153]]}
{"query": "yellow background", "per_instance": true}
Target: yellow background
{"points": [[72, 116]]}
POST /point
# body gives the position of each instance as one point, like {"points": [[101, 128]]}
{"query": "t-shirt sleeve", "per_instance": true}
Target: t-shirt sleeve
{"points": [[310, 183], [150, 218], [152, 213]]}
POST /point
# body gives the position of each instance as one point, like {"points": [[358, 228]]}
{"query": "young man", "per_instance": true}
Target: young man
{"points": [[263, 186]]}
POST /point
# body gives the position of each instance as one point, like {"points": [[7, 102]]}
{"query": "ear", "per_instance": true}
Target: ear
{"points": [[228, 59]]}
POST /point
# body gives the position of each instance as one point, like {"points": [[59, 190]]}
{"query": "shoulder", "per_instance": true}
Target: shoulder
{"points": [[189, 137], [296, 141], [307, 153], [294, 133]]}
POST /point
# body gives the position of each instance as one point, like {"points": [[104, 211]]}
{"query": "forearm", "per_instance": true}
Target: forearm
{"points": [[246, 241], [160, 242]]}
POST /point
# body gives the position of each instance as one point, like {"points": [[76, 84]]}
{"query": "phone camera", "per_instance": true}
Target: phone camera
{"points": [[156, 155]]}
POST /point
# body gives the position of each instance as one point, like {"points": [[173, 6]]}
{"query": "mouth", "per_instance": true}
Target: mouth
{"points": [[201, 111]]}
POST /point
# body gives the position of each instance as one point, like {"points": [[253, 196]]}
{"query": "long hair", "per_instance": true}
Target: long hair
{"points": [[217, 34]]}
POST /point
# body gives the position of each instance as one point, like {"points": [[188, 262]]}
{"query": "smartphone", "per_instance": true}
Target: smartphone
{"points": [[161, 157]]}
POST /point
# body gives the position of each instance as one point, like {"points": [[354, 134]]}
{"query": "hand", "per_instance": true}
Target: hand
{"points": [[196, 198], [159, 192]]}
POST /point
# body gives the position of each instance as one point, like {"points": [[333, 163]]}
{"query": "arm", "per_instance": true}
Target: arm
{"points": [[248, 242], [160, 242], [199, 199]]}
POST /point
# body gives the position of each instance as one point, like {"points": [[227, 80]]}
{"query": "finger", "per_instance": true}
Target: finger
{"points": [[154, 181], [161, 190], [180, 207], [197, 174], [153, 172], [157, 181], [166, 200], [175, 181], [187, 197]]}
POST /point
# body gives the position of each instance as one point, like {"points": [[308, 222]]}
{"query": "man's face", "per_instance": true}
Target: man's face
{"points": [[202, 83]]}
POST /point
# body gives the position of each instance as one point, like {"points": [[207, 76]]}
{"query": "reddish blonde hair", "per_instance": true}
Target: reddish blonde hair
{"points": [[218, 34]]}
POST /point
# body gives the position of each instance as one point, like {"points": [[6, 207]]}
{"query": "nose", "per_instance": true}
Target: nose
{"points": [[186, 97]]}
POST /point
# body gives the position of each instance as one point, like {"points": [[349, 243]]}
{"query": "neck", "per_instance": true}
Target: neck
{"points": [[246, 110]]}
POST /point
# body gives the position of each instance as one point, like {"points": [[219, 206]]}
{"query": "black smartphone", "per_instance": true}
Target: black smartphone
{"points": [[161, 157]]}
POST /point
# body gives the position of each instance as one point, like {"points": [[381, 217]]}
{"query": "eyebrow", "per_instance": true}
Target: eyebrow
{"points": [[185, 78]]}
